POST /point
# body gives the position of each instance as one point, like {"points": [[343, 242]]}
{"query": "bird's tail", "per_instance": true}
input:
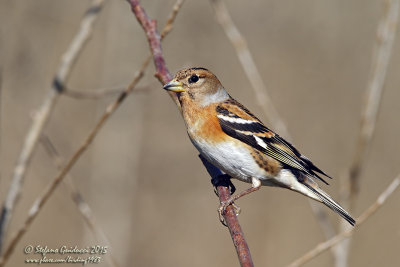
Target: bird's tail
{"points": [[318, 194]]}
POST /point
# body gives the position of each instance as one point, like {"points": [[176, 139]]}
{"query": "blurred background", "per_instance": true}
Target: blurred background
{"points": [[147, 189]]}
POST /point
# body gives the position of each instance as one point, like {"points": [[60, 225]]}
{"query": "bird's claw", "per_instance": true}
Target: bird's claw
{"points": [[222, 209]]}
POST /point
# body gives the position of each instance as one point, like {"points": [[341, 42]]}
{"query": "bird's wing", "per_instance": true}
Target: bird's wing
{"points": [[238, 122]]}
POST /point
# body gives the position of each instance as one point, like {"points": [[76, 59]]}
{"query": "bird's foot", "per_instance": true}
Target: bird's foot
{"points": [[223, 180], [222, 209]]}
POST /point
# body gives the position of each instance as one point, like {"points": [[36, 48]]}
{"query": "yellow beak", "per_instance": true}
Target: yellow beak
{"points": [[174, 86]]}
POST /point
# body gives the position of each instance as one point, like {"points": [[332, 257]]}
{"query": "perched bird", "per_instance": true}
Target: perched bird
{"points": [[231, 138]]}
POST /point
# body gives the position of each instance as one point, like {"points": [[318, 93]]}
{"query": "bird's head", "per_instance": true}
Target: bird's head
{"points": [[199, 85]]}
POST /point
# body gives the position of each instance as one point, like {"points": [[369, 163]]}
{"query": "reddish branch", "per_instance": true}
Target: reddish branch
{"points": [[231, 220], [154, 39], [150, 26], [164, 76]]}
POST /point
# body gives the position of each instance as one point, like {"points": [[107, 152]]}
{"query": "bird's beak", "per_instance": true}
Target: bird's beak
{"points": [[174, 86]]}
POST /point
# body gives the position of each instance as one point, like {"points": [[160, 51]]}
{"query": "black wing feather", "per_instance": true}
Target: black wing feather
{"points": [[288, 155]]}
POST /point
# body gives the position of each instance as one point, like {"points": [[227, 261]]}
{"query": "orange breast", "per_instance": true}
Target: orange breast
{"points": [[202, 122]]}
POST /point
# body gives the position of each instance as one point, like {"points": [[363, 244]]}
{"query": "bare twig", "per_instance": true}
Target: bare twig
{"points": [[100, 93], [112, 91], [321, 247], [105, 92], [42, 199], [162, 73], [242, 249], [171, 19], [42, 115], [385, 38], [78, 199], [249, 67], [262, 96]]}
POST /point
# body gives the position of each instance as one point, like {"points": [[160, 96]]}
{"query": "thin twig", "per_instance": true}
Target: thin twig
{"points": [[171, 18], [42, 199], [262, 96], [249, 66], [100, 93], [321, 247], [44, 111], [385, 38], [111, 91], [386, 33], [162, 73], [78, 199]]}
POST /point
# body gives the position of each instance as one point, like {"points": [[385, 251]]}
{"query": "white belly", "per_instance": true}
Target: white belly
{"points": [[234, 160]]}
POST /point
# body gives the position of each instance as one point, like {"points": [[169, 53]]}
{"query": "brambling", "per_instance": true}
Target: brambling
{"points": [[231, 138]]}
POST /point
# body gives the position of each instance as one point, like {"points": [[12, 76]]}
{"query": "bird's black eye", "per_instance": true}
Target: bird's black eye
{"points": [[194, 78]]}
